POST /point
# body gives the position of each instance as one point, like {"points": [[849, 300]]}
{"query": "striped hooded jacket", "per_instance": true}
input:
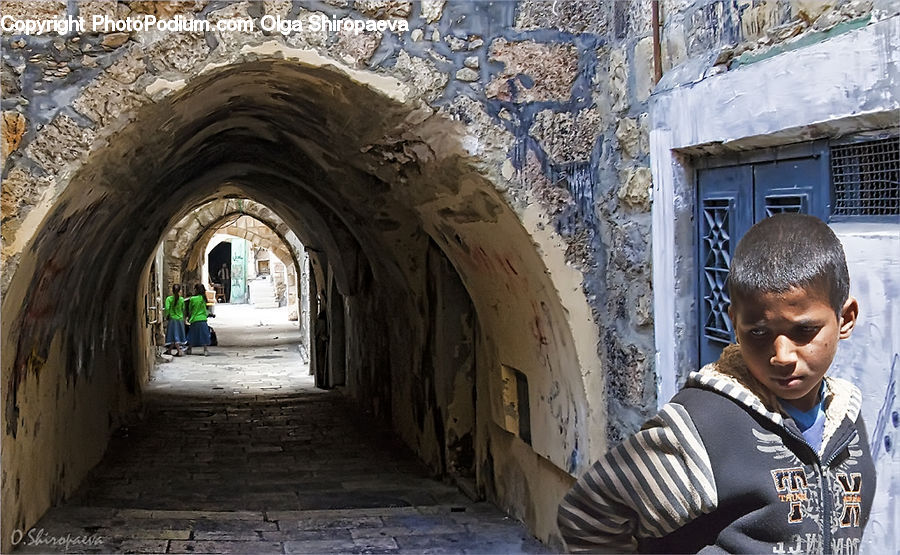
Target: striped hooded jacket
{"points": [[721, 468]]}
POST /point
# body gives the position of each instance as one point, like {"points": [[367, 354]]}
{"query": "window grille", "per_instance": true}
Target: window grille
{"points": [[785, 203], [866, 178], [717, 247]]}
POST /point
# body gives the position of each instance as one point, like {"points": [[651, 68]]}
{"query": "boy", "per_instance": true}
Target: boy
{"points": [[760, 452]]}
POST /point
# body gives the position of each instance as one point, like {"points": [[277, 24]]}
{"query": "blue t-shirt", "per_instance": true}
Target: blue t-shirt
{"points": [[811, 422]]}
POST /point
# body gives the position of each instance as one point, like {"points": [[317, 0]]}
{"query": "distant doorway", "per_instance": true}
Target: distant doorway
{"points": [[219, 264]]}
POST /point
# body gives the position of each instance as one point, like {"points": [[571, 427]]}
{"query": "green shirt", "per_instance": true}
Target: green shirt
{"points": [[174, 310], [197, 306]]}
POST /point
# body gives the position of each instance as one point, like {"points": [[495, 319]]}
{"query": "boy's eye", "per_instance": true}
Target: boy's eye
{"points": [[757, 332]]}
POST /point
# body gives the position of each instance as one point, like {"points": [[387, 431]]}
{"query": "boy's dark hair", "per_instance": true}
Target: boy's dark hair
{"points": [[786, 251]]}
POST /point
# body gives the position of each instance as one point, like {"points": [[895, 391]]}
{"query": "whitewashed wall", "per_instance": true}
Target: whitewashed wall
{"points": [[871, 360]]}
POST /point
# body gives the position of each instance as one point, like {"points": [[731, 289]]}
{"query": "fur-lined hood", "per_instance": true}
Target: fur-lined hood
{"points": [[730, 376]]}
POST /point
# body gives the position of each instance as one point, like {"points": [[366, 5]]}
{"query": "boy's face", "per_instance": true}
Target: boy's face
{"points": [[788, 340]]}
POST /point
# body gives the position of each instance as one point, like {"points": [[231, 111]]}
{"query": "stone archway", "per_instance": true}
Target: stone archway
{"points": [[372, 186], [183, 240]]}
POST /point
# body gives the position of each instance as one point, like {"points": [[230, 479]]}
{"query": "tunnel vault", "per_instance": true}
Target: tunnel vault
{"points": [[424, 258]]}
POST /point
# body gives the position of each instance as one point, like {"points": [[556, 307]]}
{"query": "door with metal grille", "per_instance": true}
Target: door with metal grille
{"points": [[731, 199]]}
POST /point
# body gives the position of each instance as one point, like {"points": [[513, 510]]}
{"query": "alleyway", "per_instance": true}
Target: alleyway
{"points": [[239, 453]]}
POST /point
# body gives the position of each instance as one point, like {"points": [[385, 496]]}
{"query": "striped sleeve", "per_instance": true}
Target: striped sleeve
{"points": [[655, 482]]}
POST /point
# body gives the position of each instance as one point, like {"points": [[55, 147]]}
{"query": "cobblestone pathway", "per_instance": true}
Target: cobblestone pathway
{"points": [[239, 453]]}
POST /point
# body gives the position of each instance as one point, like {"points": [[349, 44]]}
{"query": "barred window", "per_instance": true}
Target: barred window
{"points": [[866, 178]]}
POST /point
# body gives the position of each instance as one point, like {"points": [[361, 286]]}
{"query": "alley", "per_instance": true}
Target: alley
{"points": [[238, 452]]}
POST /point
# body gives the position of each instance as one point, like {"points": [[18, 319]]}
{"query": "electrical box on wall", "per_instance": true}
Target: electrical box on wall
{"points": [[515, 411]]}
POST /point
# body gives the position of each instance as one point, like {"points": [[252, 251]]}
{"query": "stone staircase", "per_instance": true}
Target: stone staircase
{"points": [[290, 471], [262, 293]]}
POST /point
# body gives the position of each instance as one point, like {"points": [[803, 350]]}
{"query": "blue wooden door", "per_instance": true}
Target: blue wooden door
{"points": [[730, 200], [725, 214]]}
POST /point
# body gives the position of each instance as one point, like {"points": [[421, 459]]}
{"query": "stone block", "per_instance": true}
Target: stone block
{"points": [[60, 142], [670, 8], [703, 31], [643, 314], [674, 46], [444, 543], [322, 523], [810, 10], [114, 40], [618, 80], [362, 545], [232, 40], [397, 531], [357, 48], [758, 18], [533, 71], [383, 9], [635, 191], [9, 81], [308, 535], [642, 66], [567, 136], [105, 99], [531, 179], [167, 9], [421, 75], [13, 128], [307, 38], [128, 68], [183, 533], [29, 9], [91, 8], [467, 74], [632, 18], [632, 136], [571, 16], [278, 7], [224, 547], [432, 10], [142, 546], [455, 43], [854, 9], [484, 136]]}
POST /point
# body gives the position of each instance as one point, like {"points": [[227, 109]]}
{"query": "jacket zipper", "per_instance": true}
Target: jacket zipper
{"points": [[825, 504]]}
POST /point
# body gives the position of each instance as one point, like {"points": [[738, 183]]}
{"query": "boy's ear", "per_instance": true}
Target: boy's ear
{"points": [[848, 317]]}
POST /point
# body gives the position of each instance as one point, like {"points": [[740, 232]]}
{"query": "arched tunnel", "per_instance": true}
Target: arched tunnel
{"points": [[456, 330]]}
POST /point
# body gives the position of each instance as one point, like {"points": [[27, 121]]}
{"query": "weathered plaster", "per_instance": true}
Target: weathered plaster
{"points": [[871, 360], [578, 312]]}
